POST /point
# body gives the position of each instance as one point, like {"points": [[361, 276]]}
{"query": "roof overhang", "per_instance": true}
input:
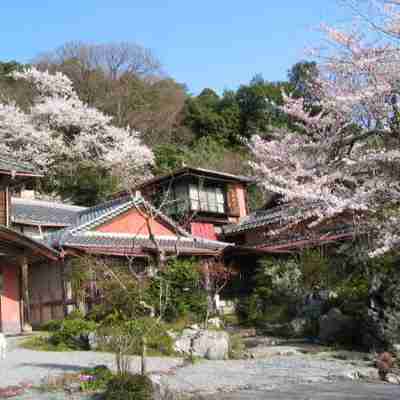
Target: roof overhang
{"points": [[199, 172], [15, 244]]}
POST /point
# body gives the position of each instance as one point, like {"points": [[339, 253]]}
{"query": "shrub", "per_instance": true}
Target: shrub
{"points": [[73, 333], [96, 378], [181, 281], [42, 343], [52, 325], [129, 387], [157, 339], [237, 347]]}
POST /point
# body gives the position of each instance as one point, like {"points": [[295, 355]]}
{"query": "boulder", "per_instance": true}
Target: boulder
{"points": [[215, 322], [183, 344], [298, 327], [213, 345], [334, 325], [393, 378], [381, 326], [93, 341]]}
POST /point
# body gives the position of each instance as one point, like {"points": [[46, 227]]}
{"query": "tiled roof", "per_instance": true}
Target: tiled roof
{"points": [[126, 243], [198, 171], [81, 234], [24, 244], [8, 163], [97, 215], [44, 213], [275, 215]]}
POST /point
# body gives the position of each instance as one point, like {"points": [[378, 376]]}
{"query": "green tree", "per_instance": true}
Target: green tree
{"points": [[302, 76], [202, 116], [259, 104], [90, 186]]}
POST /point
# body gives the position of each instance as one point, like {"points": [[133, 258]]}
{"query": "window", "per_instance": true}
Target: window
{"points": [[194, 197], [220, 200], [208, 198]]}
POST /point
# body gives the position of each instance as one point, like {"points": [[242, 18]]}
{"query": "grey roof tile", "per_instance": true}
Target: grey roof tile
{"points": [[275, 215], [131, 242], [81, 234], [8, 163], [44, 213]]}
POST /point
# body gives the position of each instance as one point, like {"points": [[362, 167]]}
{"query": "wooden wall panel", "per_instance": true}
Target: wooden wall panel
{"points": [[3, 206]]}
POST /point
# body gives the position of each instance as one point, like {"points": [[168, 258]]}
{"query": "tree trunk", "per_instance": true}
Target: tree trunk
{"points": [[143, 366], [209, 290]]}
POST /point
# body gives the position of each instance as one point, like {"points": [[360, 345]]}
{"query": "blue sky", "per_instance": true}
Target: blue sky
{"points": [[218, 44]]}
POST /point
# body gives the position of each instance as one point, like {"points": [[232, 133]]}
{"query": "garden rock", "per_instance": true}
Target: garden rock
{"points": [[381, 328], [333, 324], [93, 341], [213, 345], [393, 378], [298, 326], [183, 344], [215, 322]]}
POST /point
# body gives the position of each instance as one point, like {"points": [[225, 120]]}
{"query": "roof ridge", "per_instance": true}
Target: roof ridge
{"points": [[99, 219]]}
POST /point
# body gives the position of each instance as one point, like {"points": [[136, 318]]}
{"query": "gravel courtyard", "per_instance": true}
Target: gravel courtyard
{"points": [[277, 377], [23, 365]]}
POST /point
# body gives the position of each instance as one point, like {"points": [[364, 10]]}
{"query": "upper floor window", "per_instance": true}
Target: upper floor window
{"points": [[207, 198]]}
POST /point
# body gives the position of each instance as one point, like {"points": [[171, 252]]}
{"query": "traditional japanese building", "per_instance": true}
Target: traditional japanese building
{"points": [[19, 254], [123, 227], [200, 200]]}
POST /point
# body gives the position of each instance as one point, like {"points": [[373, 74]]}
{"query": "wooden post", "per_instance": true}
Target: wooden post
{"points": [[26, 315], [40, 309], [143, 361], [63, 288]]}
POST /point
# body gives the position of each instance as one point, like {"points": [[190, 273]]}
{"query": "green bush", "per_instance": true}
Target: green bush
{"points": [[129, 387], [52, 325], [42, 343], [72, 333], [96, 378], [157, 339], [237, 347], [186, 298]]}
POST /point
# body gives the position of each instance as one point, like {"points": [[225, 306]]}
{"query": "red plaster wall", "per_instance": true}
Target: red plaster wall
{"points": [[203, 230], [134, 223], [10, 300]]}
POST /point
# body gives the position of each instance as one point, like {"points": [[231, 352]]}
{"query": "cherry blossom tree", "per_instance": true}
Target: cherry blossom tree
{"points": [[346, 158], [59, 131]]}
